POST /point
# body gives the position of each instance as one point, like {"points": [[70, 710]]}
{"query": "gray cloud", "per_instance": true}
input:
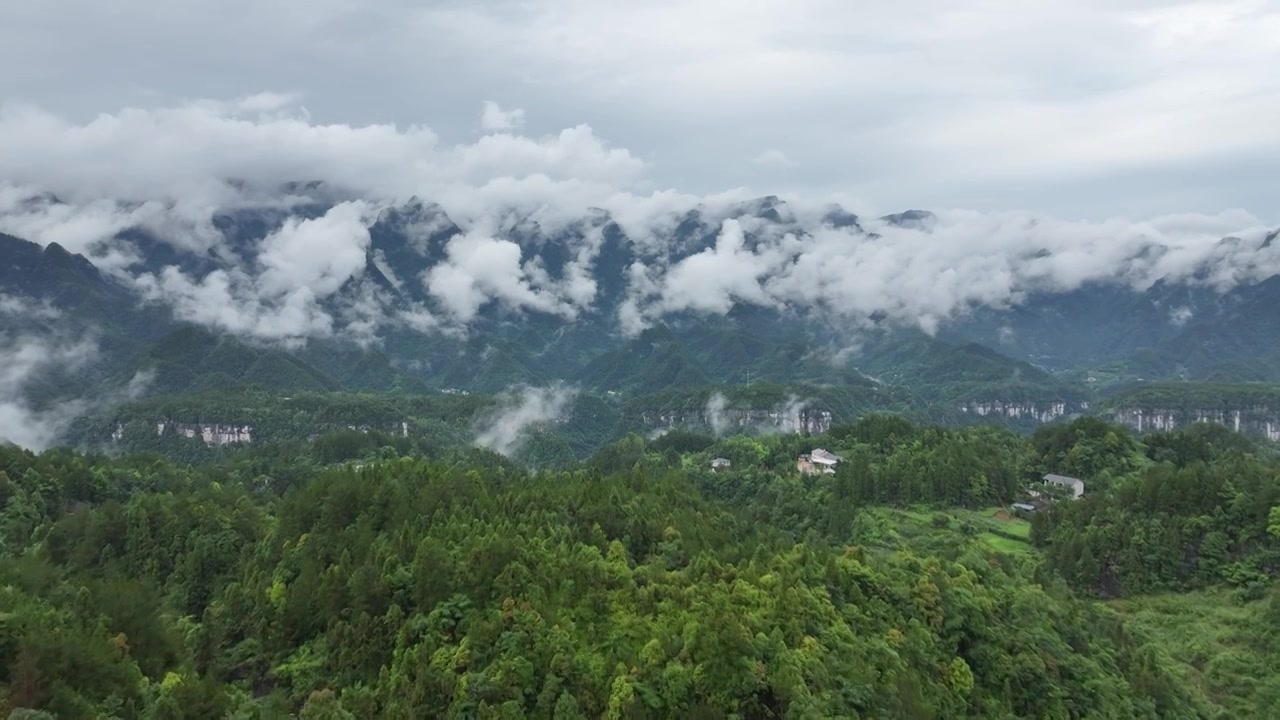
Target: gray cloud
{"points": [[1080, 109]]}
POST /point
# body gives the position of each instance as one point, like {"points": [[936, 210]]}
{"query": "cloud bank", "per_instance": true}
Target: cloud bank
{"points": [[171, 172], [1079, 109]]}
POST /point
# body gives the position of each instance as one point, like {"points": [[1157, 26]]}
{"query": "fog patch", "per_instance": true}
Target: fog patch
{"points": [[716, 413], [504, 430]]}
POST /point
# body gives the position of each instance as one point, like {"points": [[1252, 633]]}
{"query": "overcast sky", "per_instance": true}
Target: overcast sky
{"points": [[1080, 109]]}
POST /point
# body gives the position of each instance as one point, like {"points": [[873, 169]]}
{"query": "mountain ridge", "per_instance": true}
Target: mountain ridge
{"points": [[390, 328]]}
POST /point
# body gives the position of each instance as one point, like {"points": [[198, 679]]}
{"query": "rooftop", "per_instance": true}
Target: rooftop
{"points": [[823, 457], [1076, 484]]}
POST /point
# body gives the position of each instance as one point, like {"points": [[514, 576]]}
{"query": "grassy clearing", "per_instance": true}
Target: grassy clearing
{"points": [[922, 527]]}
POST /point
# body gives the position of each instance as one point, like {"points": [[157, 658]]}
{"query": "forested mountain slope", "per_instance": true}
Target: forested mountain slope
{"points": [[342, 578]]}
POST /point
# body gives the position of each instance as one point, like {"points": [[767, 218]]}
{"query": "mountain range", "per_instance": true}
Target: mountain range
{"points": [[327, 293]]}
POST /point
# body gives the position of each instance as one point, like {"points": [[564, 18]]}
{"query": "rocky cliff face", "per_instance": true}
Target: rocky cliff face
{"points": [[1255, 421], [738, 419], [219, 434], [1260, 422], [1026, 411], [213, 434]]}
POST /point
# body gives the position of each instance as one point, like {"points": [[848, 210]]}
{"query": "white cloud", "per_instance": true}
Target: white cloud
{"points": [[164, 170], [267, 102], [717, 278], [27, 309], [319, 254], [966, 259], [716, 413], [88, 227], [1180, 315], [494, 119], [22, 359], [504, 430], [481, 268], [187, 153], [277, 297]]}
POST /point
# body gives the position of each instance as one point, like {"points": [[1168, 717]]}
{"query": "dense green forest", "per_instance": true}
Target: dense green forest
{"points": [[1196, 396], [361, 574], [1194, 515]]}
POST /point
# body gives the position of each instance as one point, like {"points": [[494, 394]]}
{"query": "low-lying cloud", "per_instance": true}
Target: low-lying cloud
{"points": [[23, 358], [724, 419], [37, 348], [277, 295], [716, 413], [519, 410], [962, 260]]}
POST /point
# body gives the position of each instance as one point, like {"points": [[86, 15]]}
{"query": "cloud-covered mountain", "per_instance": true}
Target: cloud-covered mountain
{"points": [[198, 207], [312, 266], [411, 263], [408, 279]]}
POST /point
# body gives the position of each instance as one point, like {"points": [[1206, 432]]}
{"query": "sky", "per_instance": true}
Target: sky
{"points": [[1080, 109]]}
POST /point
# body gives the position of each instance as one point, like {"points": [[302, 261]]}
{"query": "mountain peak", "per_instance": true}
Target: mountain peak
{"points": [[767, 207], [837, 217], [912, 219]]}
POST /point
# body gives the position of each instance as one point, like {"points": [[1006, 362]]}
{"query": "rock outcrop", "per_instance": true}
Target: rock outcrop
{"points": [[1027, 411], [738, 419], [1258, 422]]}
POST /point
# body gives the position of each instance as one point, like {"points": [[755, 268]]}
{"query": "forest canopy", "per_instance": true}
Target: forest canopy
{"points": [[358, 575]]}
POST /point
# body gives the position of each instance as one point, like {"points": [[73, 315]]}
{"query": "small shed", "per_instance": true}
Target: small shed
{"points": [[721, 464]]}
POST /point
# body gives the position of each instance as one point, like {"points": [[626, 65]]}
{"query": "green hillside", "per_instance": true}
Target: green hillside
{"points": [[345, 578]]}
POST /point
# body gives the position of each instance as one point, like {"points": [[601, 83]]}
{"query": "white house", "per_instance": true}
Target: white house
{"points": [[818, 461], [1075, 484]]}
